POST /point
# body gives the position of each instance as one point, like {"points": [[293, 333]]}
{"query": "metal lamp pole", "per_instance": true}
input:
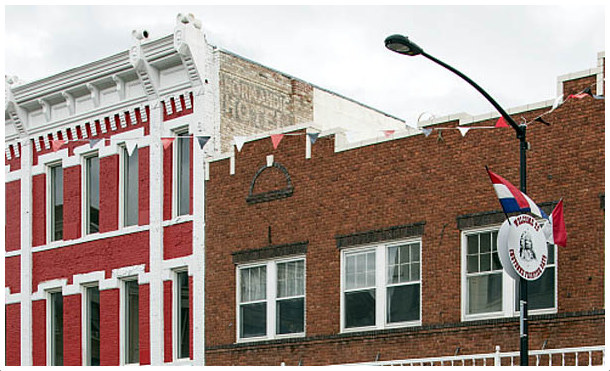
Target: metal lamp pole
{"points": [[402, 45]]}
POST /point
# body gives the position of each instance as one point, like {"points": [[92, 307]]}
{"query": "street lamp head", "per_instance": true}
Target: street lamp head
{"points": [[402, 45]]}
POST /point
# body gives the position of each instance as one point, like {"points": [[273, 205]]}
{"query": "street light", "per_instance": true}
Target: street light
{"points": [[402, 45]]}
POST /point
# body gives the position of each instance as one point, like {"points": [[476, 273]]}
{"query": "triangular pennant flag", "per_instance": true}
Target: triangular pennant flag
{"points": [[588, 91], [501, 123], [578, 96], [131, 146], [276, 139], [313, 137], [239, 142], [426, 131], [93, 142], [56, 144], [597, 96], [463, 130], [202, 141], [388, 133], [557, 102], [539, 119], [560, 236], [167, 142]]}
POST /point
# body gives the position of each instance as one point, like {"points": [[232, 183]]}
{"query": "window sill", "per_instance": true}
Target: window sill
{"points": [[178, 220], [500, 315], [393, 326], [267, 340]]}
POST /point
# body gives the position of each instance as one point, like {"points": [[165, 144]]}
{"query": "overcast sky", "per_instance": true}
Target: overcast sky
{"points": [[514, 52]]}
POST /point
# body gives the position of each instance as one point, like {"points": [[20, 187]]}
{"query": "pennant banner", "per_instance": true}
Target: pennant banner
{"points": [[463, 130], [131, 146], [313, 137], [501, 123], [388, 133], [239, 142], [56, 144], [276, 139], [426, 131], [202, 141], [166, 142]]}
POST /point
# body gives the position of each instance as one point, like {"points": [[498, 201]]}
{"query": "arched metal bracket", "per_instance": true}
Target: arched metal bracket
{"points": [[275, 194]]}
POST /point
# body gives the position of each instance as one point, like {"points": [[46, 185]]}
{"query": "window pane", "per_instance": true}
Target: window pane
{"points": [[93, 323], [290, 280], [403, 303], [496, 264], [184, 171], [253, 283], [183, 311], [485, 242], [485, 261], [130, 188], [132, 322], [253, 320], [360, 308], [57, 202], [93, 194], [541, 292], [57, 329], [551, 253], [472, 263], [290, 316], [360, 270], [473, 244], [485, 293]]}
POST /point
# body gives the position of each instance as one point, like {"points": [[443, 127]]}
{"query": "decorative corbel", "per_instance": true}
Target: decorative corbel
{"points": [[120, 86], [189, 42], [46, 109], [95, 94], [148, 75], [17, 114], [69, 101]]}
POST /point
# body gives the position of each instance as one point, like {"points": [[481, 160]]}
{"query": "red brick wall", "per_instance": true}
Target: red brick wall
{"points": [[12, 214], [72, 203], [167, 321], [72, 331], [39, 333], [109, 193], [144, 316], [177, 240], [12, 273], [401, 182], [39, 207], [109, 327], [12, 334], [15, 162]]}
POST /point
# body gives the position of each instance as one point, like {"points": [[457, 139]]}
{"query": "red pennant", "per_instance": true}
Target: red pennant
{"points": [[501, 123], [167, 142], [56, 144], [275, 139], [578, 96], [388, 133]]}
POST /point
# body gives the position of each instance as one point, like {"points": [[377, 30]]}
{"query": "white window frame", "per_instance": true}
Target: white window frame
{"points": [[509, 285], [123, 319], [49, 324], [122, 168], [380, 285], [50, 199], [175, 314], [178, 132], [270, 298], [85, 193]]}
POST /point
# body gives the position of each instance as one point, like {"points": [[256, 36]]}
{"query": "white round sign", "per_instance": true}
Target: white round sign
{"points": [[522, 247]]}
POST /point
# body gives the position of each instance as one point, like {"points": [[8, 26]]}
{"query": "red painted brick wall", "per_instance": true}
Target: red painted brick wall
{"points": [[15, 162], [401, 182], [177, 240], [109, 327], [72, 203], [144, 185], [109, 193], [167, 321], [12, 273], [12, 334], [12, 214], [39, 333], [72, 331], [39, 218], [144, 316]]}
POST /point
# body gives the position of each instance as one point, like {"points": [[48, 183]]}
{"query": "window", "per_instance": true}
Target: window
{"points": [[130, 187], [183, 315], [183, 173], [92, 194], [56, 330], [271, 297], [132, 322], [56, 201], [381, 286], [92, 323], [488, 292]]}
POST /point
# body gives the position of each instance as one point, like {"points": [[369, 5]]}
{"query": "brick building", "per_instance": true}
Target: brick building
{"points": [[104, 182]]}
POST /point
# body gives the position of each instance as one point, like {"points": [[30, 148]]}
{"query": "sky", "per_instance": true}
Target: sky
{"points": [[515, 53]]}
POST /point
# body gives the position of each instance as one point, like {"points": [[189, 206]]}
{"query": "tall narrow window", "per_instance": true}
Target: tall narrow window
{"points": [[290, 303], [132, 322], [56, 175], [253, 302], [92, 194], [183, 174], [403, 283], [93, 326], [130, 187], [360, 289], [57, 329], [183, 312], [483, 274]]}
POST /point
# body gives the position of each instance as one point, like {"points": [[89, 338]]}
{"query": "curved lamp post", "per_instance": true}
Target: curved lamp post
{"points": [[402, 45]]}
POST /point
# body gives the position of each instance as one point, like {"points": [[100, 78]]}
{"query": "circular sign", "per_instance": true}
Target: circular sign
{"points": [[522, 247]]}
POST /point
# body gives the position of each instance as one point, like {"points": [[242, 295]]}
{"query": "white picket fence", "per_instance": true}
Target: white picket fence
{"points": [[583, 356]]}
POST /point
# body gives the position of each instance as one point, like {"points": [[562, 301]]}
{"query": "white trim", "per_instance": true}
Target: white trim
{"points": [[26, 254], [11, 298], [49, 324], [11, 176], [175, 306], [123, 317]]}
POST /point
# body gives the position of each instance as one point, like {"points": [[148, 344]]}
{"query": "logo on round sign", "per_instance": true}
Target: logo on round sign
{"points": [[522, 247]]}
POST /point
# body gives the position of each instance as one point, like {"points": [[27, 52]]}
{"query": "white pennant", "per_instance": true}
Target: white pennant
{"points": [[239, 142], [463, 130], [426, 131], [131, 146], [557, 102]]}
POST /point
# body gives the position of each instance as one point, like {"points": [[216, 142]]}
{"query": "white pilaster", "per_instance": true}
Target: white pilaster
{"points": [[26, 253], [156, 236]]}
